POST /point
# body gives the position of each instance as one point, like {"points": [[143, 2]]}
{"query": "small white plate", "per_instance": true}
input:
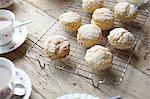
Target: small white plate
{"points": [[25, 80], [77, 96], [19, 37]]}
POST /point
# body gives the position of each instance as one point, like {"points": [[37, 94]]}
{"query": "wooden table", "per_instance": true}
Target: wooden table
{"points": [[136, 84]]}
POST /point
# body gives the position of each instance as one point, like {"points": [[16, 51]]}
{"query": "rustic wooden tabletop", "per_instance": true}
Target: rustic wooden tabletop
{"points": [[43, 13]]}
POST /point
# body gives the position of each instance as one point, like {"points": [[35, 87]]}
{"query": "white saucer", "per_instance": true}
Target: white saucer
{"points": [[25, 80], [77, 96], [19, 37]]}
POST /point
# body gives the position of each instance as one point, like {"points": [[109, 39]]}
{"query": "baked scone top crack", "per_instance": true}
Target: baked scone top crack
{"points": [[121, 36], [90, 31], [91, 5], [103, 14], [56, 42], [126, 9], [70, 17], [98, 55]]}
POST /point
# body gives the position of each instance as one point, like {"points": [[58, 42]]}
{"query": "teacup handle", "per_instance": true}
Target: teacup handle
{"points": [[19, 89]]}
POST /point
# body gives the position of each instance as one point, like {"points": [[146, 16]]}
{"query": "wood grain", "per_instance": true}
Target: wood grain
{"points": [[51, 83]]}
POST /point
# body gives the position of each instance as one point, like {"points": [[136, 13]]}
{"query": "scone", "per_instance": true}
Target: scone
{"points": [[89, 6], [121, 39], [70, 21], [125, 11], [56, 47], [104, 18], [89, 35], [99, 57]]}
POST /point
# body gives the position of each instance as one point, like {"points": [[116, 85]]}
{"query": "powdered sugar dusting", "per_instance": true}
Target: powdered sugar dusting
{"points": [[103, 14], [56, 42], [70, 17], [90, 31]]}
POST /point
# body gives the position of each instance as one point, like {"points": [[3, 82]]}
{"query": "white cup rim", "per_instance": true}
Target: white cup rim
{"points": [[11, 14], [13, 71]]}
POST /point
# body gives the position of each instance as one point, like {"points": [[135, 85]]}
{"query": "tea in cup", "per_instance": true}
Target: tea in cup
{"points": [[7, 77]]}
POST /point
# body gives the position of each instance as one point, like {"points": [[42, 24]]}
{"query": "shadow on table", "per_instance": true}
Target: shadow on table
{"points": [[19, 52]]}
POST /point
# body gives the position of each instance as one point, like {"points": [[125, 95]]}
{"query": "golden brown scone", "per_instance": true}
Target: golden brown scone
{"points": [[56, 47], [99, 57], [104, 18], [89, 35], [70, 21], [89, 6], [125, 11], [121, 39]]}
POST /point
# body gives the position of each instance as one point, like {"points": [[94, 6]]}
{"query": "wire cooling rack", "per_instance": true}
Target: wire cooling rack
{"points": [[74, 63]]}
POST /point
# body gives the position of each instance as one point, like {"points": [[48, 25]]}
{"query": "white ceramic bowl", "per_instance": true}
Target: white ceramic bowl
{"points": [[5, 3]]}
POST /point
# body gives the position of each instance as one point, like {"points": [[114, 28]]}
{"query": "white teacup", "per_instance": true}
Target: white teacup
{"points": [[7, 86], [6, 32]]}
